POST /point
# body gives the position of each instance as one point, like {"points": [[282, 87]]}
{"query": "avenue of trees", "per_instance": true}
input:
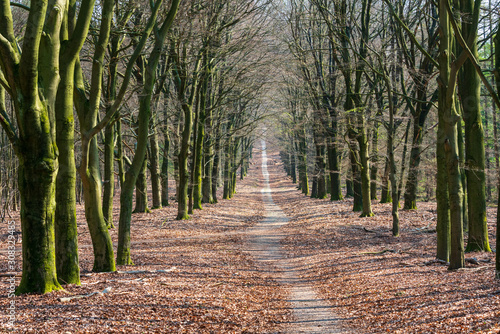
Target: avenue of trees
{"points": [[401, 97], [94, 94], [383, 100]]}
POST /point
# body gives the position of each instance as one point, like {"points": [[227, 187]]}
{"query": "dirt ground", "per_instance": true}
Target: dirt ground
{"points": [[198, 277]]}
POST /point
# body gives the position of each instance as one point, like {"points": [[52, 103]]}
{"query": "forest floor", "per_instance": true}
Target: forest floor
{"points": [[200, 276]]}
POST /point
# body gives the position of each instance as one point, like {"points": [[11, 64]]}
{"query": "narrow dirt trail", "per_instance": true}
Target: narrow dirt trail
{"points": [[311, 314]]}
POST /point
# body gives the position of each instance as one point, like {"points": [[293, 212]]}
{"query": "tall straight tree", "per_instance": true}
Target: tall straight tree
{"points": [[126, 195], [469, 85], [181, 77], [73, 35]]}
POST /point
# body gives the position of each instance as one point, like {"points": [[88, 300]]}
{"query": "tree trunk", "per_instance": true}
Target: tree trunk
{"points": [[37, 176], [320, 170], [109, 175], [200, 138], [101, 241], [470, 95], [154, 168], [293, 163], [349, 187], [227, 172], [365, 173], [207, 175], [410, 195], [66, 235], [215, 166], [385, 195], [443, 207], [208, 157], [141, 189], [302, 154], [164, 171], [448, 116], [374, 164], [356, 181], [182, 195]]}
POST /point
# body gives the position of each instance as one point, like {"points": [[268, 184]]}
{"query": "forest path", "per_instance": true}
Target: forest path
{"points": [[311, 314]]}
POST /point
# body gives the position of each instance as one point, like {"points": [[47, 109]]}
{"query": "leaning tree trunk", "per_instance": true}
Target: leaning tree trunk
{"points": [[127, 190], [123, 251], [410, 195], [365, 173]]}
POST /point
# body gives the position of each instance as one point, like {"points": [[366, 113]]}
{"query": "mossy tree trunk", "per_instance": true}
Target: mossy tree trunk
{"points": [[216, 163], [123, 252], [109, 174], [470, 96], [200, 136], [320, 168], [89, 170], [164, 170], [110, 134], [154, 165], [141, 189], [448, 138], [356, 181], [365, 172], [302, 154], [227, 171], [293, 163], [497, 82], [66, 237], [32, 75], [385, 195], [181, 83], [421, 112], [374, 164]]}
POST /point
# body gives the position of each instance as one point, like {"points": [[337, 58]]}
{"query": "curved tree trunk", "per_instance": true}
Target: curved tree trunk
{"points": [[101, 241]]}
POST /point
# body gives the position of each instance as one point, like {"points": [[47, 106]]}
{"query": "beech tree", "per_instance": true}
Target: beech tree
{"points": [[28, 76], [160, 34]]}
